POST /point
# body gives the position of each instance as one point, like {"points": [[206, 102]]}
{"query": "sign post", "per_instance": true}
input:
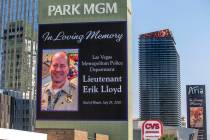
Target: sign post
{"points": [[95, 36]]}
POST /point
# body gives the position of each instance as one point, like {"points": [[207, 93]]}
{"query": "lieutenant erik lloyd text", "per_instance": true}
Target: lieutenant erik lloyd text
{"points": [[106, 88]]}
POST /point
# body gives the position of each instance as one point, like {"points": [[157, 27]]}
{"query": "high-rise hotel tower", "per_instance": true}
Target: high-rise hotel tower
{"points": [[159, 67], [18, 47]]}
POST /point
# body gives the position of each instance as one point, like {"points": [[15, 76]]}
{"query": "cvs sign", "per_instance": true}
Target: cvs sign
{"points": [[152, 129]]}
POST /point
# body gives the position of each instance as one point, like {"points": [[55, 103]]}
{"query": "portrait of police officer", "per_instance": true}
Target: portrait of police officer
{"points": [[59, 94]]}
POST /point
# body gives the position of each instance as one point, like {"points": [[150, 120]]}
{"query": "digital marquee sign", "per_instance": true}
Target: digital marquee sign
{"points": [[196, 109], [159, 34], [94, 62]]}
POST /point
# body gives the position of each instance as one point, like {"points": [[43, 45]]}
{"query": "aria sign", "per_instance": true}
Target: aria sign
{"points": [[152, 129], [196, 90]]}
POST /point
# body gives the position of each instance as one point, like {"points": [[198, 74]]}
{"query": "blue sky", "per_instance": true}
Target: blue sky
{"points": [[189, 21]]}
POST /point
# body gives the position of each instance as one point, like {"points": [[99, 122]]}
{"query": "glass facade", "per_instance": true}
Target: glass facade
{"points": [[18, 28], [18, 45], [159, 78]]}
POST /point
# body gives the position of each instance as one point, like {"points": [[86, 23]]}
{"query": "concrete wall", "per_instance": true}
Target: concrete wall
{"points": [[117, 130], [101, 137], [70, 134], [64, 134]]}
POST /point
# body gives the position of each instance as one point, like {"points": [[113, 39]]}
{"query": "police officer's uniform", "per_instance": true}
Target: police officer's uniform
{"points": [[64, 99]]}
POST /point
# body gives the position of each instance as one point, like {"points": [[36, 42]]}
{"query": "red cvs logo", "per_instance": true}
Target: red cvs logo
{"points": [[152, 129], [152, 126]]}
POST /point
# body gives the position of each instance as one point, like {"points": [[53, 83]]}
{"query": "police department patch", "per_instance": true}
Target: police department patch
{"points": [[68, 98]]}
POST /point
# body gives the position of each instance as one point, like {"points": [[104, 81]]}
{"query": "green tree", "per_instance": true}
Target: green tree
{"points": [[168, 137]]}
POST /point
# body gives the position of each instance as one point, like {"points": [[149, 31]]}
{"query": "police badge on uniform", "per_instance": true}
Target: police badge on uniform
{"points": [[68, 98]]}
